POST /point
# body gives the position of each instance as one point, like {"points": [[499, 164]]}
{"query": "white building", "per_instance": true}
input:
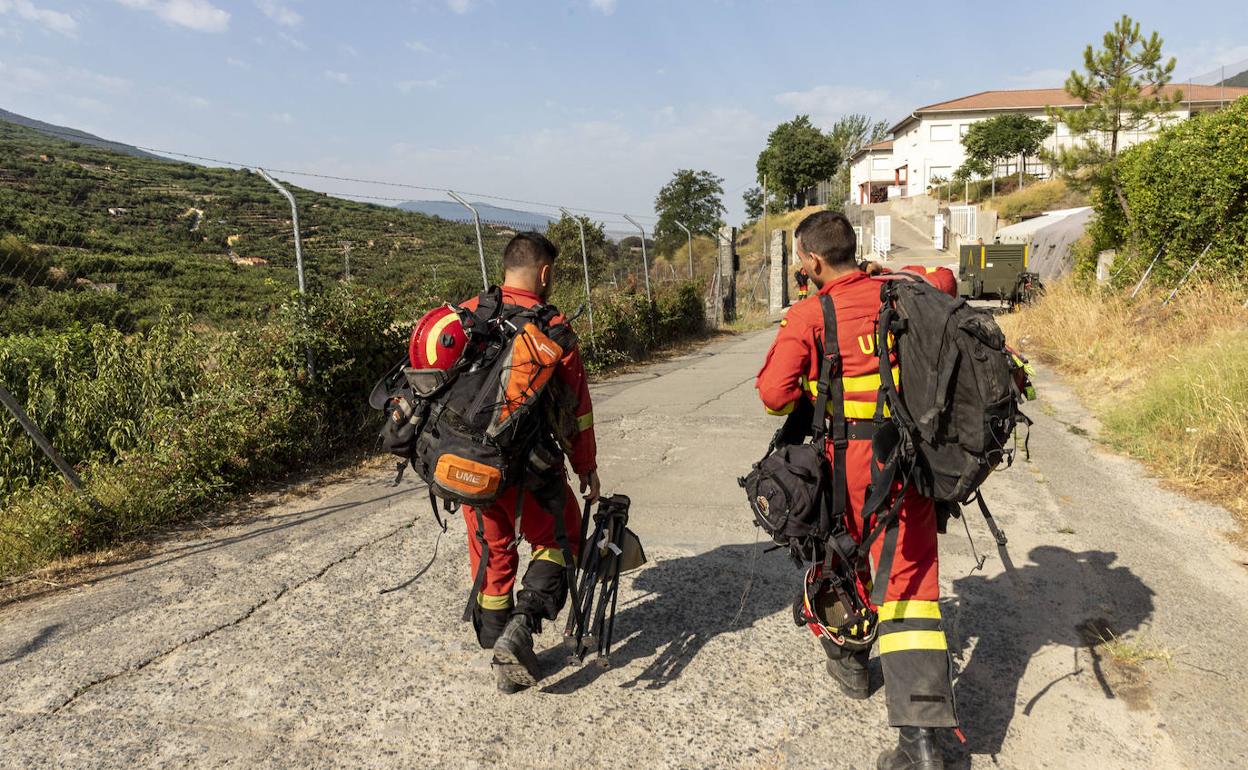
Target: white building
{"points": [[871, 172], [927, 144]]}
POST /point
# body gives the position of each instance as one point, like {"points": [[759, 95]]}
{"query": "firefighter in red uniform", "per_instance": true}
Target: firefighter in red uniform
{"points": [[503, 623], [912, 647], [803, 283]]}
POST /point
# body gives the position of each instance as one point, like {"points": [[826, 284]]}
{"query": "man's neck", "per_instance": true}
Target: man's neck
{"points": [[835, 273]]}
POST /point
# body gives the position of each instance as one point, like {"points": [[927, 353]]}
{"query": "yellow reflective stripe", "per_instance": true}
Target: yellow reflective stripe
{"points": [[782, 411], [859, 410], [910, 608], [1026, 247], [431, 339], [983, 250], [585, 421], [912, 640], [550, 554], [491, 602]]}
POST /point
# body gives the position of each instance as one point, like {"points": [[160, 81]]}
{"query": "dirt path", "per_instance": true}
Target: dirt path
{"points": [[268, 643]]}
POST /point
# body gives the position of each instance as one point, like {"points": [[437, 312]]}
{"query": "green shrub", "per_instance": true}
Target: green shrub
{"points": [[1186, 189], [166, 420]]}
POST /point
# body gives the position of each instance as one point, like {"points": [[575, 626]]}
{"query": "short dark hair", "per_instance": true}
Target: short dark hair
{"points": [[830, 236], [531, 249]]}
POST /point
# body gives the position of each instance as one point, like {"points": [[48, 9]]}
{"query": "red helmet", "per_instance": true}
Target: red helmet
{"points": [[438, 339]]}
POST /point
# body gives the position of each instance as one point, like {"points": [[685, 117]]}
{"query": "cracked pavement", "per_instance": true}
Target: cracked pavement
{"points": [[269, 643]]}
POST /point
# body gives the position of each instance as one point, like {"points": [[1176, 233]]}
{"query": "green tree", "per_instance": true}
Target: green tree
{"points": [[753, 198], [566, 236], [1005, 136], [692, 198], [798, 156], [1121, 86], [850, 134]]}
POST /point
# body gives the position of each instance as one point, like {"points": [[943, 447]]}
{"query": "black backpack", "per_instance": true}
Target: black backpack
{"points": [[474, 429], [950, 423]]}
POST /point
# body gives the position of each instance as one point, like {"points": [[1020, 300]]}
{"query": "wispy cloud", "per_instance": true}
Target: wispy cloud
{"points": [[279, 13], [56, 21], [199, 15], [459, 6], [237, 63], [1204, 63], [407, 86], [341, 78], [826, 103], [285, 118], [417, 46], [292, 41], [607, 7]]}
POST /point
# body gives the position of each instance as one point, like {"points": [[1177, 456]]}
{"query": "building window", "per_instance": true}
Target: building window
{"points": [[884, 163], [962, 129], [942, 132]]}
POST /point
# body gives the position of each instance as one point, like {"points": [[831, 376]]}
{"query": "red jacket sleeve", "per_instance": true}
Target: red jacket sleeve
{"points": [[571, 372], [782, 379]]}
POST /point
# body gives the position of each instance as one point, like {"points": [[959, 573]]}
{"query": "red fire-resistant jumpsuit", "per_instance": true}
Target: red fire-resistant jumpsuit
{"points": [[913, 651], [544, 585]]}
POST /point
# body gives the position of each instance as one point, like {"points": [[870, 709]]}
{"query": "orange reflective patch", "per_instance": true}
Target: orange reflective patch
{"points": [[533, 360], [784, 322], [466, 476]]}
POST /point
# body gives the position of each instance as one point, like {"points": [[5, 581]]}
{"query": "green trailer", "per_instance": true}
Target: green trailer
{"points": [[997, 270]]}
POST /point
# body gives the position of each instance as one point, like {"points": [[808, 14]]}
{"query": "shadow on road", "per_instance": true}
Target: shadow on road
{"points": [[1066, 598], [683, 604], [34, 644]]}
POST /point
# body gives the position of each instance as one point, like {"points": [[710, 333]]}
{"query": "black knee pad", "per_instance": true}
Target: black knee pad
{"points": [[489, 625]]}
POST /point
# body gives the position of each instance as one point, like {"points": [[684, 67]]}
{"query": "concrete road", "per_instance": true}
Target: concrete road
{"points": [[269, 643]]}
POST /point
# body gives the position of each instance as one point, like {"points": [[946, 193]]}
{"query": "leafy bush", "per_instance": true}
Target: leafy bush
{"points": [[163, 421], [1186, 189]]}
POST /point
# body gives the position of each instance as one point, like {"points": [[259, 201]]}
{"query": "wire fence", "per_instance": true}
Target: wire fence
{"points": [[90, 237]]}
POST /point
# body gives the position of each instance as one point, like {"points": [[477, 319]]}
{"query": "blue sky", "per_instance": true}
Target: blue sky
{"points": [[587, 103]]}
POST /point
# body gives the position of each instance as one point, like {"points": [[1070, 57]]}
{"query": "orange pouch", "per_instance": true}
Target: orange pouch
{"points": [[467, 477]]}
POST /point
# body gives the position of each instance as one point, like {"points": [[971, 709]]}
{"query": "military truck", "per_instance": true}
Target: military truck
{"points": [[997, 270]]}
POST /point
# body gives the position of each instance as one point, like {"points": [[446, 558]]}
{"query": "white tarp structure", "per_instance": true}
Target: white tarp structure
{"points": [[1051, 236]]}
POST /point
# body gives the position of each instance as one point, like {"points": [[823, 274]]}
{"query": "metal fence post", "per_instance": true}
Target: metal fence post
{"points": [[1187, 274], [645, 262], [589, 301], [688, 235], [476, 218], [1147, 272], [44, 445], [294, 219]]}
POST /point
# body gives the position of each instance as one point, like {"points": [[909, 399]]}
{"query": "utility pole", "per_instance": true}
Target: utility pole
{"points": [[645, 262], [346, 259], [589, 301], [476, 218]]}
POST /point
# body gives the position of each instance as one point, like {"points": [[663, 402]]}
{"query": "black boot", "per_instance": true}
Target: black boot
{"points": [[848, 668], [513, 652], [504, 684], [915, 750]]}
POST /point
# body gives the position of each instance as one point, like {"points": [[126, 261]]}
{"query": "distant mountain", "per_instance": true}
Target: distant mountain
{"points": [[1240, 80], [454, 212], [74, 135]]}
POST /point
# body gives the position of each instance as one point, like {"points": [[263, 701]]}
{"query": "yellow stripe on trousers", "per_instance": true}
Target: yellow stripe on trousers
{"points": [[909, 608], [912, 640]]}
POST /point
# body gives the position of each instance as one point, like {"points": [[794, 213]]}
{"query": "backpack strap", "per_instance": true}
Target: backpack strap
{"points": [[831, 386]]}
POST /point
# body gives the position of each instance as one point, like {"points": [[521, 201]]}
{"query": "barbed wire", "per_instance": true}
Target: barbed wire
{"points": [[80, 139]]}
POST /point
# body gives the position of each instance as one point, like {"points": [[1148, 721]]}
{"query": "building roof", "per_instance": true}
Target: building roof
{"points": [[886, 144], [1039, 98]]}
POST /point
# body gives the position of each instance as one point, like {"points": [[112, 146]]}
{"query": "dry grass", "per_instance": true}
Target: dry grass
{"points": [[1036, 198], [1170, 383], [1133, 652]]}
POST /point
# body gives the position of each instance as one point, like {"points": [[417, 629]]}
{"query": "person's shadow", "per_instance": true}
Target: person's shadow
{"points": [[678, 605], [1062, 597]]}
